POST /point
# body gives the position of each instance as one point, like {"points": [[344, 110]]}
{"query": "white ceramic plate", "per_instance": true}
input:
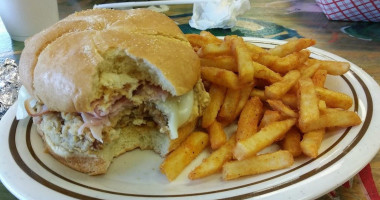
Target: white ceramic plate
{"points": [[29, 173]]}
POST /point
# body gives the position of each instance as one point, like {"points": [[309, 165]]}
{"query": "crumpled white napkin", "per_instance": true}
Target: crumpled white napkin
{"points": [[217, 13]]}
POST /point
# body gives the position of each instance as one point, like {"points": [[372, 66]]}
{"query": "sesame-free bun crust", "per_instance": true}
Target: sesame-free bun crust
{"points": [[60, 65]]}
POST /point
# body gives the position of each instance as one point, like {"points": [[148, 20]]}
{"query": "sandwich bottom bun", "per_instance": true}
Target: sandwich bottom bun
{"points": [[97, 162]]}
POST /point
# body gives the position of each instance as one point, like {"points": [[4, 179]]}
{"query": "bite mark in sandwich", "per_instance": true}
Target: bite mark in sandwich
{"points": [[109, 81]]}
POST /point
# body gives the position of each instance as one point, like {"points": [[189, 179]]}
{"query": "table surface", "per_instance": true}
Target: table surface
{"points": [[358, 42]]}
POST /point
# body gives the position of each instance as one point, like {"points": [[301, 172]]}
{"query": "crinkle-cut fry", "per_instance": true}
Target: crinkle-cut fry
{"points": [[210, 50], [265, 137], [309, 71], [334, 118], [215, 161], [210, 37], [280, 88], [319, 78], [258, 93], [334, 99], [177, 160], [291, 142], [227, 111], [217, 135], [291, 47], [223, 62], [311, 141], [269, 116], [265, 73], [282, 108], [332, 67], [243, 59], [257, 164], [249, 119], [221, 77], [308, 104], [217, 94]]}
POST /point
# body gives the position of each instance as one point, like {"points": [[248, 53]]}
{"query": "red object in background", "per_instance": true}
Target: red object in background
{"points": [[351, 10], [366, 178]]}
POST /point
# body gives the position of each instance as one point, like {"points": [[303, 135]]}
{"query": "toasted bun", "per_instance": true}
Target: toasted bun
{"points": [[60, 66], [98, 162]]}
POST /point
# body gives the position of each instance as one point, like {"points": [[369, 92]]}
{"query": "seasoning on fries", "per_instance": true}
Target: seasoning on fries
{"points": [[274, 96]]}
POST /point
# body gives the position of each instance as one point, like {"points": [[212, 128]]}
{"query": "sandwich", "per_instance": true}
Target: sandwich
{"points": [[104, 82]]}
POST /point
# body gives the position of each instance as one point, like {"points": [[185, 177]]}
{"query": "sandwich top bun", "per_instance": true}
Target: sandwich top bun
{"points": [[97, 44]]}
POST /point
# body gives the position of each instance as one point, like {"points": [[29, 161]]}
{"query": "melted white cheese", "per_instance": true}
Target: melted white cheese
{"points": [[178, 111]]}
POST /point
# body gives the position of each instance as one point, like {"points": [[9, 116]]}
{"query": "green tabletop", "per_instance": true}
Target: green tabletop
{"points": [[358, 42]]}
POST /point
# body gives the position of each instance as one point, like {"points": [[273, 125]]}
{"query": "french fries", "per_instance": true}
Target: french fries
{"points": [[280, 88], [282, 108], [217, 135], [308, 104], [231, 101], [275, 96], [217, 98], [311, 141], [215, 161], [177, 160], [291, 47], [221, 77], [249, 119], [265, 137], [257, 164], [269, 117], [292, 142], [243, 58]]}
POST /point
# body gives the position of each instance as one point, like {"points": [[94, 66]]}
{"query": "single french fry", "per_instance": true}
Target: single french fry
{"points": [[311, 141], [196, 40], [308, 104], [319, 78], [265, 73], [280, 88], [215, 161], [290, 100], [227, 111], [284, 64], [282, 108], [322, 106], [212, 49], [334, 99], [269, 116], [177, 160], [258, 93], [254, 49], [210, 37], [332, 67], [265, 137], [221, 77], [291, 47], [245, 93], [217, 135], [309, 71], [334, 118], [249, 119], [217, 94], [291, 142], [244, 60], [257, 165], [223, 62]]}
